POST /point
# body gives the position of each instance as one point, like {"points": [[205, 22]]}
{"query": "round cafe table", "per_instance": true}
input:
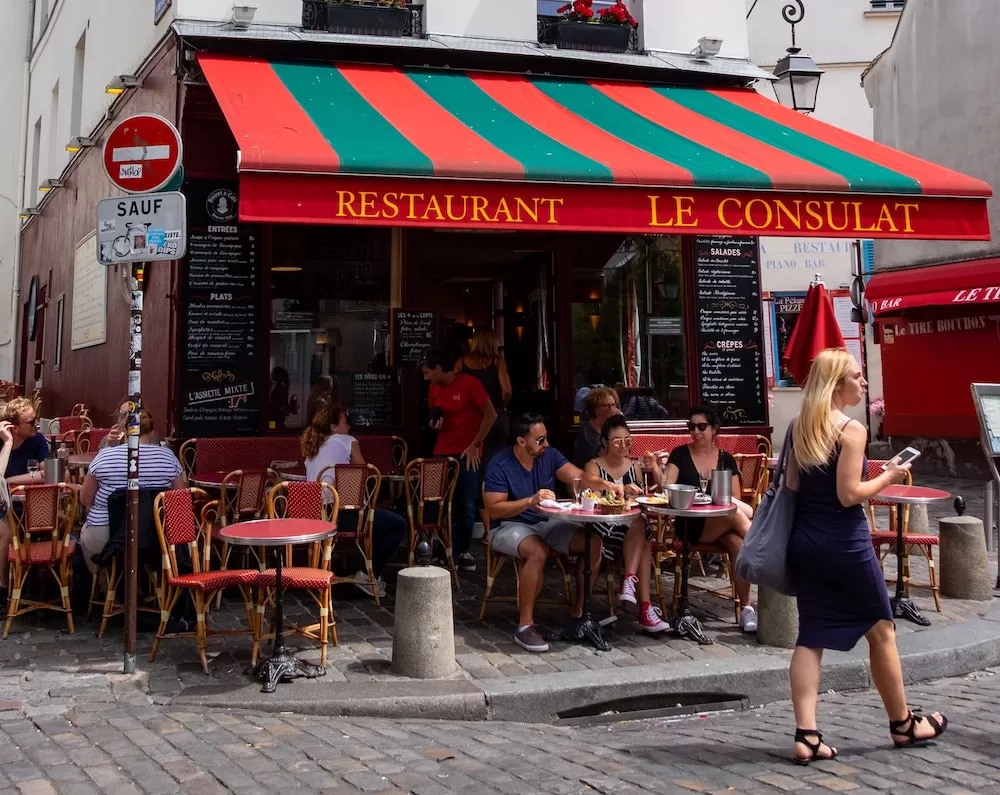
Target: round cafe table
{"points": [[290, 471], [902, 606], [586, 627], [208, 480], [81, 460], [282, 665], [686, 625]]}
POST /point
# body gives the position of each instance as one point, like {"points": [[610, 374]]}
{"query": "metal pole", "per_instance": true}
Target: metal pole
{"points": [[989, 516], [135, 405]]}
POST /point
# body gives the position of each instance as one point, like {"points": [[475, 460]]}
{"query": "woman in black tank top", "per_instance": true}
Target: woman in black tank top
{"points": [[484, 363]]}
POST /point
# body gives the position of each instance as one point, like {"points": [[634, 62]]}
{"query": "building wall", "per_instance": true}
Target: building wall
{"points": [[843, 38], [96, 375], [933, 94], [13, 57]]}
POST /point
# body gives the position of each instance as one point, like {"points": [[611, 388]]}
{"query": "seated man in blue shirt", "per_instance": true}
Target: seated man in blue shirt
{"points": [[517, 480], [28, 443]]}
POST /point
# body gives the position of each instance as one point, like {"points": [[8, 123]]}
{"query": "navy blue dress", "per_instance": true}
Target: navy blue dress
{"points": [[840, 588]]}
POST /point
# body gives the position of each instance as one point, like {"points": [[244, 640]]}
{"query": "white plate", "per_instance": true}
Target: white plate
{"points": [[702, 499]]}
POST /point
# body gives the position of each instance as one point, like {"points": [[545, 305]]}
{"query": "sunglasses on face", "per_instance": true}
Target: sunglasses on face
{"points": [[542, 440], [701, 426], [626, 442]]}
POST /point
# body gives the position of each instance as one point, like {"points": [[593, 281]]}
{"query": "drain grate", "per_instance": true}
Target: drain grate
{"points": [[666, 705]]}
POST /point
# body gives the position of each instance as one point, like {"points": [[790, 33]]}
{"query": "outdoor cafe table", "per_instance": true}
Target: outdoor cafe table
{"points": [[586, 627], [208, 480], [685, 624], [278, 533], [81, 461], [902, 607], [290, 471]]}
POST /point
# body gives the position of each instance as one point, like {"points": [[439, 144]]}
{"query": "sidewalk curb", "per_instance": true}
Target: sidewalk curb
{"points": [[931, 654]]}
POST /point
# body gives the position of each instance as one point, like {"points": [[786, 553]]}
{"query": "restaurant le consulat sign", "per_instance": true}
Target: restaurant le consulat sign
{"points": [[637, 210]]}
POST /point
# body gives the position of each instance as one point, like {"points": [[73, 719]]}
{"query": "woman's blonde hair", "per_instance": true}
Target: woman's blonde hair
{"points": [[483, 345], [815, 434]]}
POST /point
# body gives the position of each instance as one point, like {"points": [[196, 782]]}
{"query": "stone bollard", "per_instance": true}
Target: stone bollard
{"points": [[423, 635], [918, 523], [777, 619], [965, 572]]}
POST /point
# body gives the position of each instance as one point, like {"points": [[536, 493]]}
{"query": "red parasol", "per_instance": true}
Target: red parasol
{"points": [[815, 331]]}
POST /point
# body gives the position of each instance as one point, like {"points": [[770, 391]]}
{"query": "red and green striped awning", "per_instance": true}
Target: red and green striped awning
{"points": [[339, 143]]}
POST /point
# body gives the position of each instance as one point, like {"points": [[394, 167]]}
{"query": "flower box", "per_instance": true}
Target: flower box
{"points": [[366, 20], [592, 36]]}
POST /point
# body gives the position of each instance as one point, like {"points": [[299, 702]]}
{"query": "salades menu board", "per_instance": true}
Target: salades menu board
{"points": [[730, 335], [221, 344]]}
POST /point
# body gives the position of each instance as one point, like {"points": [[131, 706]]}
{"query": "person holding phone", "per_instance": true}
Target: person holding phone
{"points": [[27, 443], [841, 592], [462, 414]]}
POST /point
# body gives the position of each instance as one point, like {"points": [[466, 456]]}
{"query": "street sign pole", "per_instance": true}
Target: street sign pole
{"points": [[132, 501], [142, 155]]}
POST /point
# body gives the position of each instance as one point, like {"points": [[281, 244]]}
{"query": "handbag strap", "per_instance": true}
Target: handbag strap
{"points": [[779, 471]]}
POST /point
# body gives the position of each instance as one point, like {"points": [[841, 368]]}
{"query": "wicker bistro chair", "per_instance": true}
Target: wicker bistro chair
{"points": [[389, 455], [358, 487], [242, 496], [300, 500], [431, 481], [89, 440], [885, 540], [80, 410], [42, 540], [180, 531], [753, 477], [187, 456]]}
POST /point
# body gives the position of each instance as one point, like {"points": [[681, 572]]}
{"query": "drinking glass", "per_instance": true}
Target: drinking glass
{"points": [[32, 465], [703, 481], [578, 489]]}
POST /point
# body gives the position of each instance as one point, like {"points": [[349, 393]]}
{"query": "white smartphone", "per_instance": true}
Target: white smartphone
{"points": [[906, 456]]}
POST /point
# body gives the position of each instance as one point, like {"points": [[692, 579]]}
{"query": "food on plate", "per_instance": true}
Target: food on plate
{"points": [[610, 504]]}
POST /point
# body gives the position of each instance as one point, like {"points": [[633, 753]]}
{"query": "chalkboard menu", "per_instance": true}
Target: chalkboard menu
{"points": [[220, 369], [372, 404], [730, 335], [414, 332]]}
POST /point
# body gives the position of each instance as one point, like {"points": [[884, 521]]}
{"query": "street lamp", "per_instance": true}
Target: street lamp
{"points": [[797, 74]]}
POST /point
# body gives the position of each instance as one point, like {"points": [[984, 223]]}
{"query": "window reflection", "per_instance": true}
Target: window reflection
{"points": [[628, 329], [330, 320]]}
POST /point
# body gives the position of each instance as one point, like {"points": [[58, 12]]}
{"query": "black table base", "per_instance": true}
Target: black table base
{"points": [[902, 606], [282, 665], [686, 626], [585, 629]]}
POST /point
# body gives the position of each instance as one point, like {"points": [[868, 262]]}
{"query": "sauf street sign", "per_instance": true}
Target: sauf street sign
{"points": [[147, 227]]}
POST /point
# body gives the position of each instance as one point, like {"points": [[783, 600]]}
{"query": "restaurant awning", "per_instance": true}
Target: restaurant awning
{"points": [[381, 145], [957, 285]]}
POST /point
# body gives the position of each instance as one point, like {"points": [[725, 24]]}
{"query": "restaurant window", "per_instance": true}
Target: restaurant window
{"points": [[330, 319], [628, 329]]}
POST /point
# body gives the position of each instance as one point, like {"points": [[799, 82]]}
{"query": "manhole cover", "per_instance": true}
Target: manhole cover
{"points": [[665, 705]]}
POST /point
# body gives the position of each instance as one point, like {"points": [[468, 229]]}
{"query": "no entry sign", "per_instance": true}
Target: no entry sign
{"points": [[142, 153]]}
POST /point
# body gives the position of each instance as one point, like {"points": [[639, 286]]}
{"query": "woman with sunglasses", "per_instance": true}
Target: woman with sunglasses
{"points": [[615, 465], [692, 464]]}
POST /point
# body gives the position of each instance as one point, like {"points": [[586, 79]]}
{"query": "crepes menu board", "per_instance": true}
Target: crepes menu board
{"points": [[730, 336], [220, 328], [414, 332]]}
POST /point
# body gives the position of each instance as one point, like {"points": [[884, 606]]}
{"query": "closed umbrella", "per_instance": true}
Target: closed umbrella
{"points": [[816, 330]]}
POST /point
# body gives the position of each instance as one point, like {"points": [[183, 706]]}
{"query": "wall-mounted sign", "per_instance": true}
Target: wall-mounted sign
{"points": [[143, 228], [160, 7], [89, 321]]}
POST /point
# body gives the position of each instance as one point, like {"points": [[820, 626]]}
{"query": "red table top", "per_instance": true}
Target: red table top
{"points": [[81, 459], [208, 478], [277, 532], [580, 514], [911, 494]]}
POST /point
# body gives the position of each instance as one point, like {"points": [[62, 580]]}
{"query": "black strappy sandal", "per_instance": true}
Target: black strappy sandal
{"points": [[800, 737], [912, 741]]}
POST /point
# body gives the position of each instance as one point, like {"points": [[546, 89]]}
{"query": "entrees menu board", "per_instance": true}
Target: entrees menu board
{"points": [[730, 334], [414, 332], [372, 403], [220, 327]]}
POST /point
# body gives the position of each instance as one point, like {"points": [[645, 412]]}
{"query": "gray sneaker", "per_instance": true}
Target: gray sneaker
{"points": [[466, 562], [529, 640]]}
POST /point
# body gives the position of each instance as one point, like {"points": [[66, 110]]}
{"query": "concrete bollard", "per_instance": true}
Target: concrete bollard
{"points": [[777, 619], [965, 572], [423, 636], [919, 523]]}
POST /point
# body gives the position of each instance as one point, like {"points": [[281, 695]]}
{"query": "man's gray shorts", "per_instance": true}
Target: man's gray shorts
{"points": [[508, 536]]}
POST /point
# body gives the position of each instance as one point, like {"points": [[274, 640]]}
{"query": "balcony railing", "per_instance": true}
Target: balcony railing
{"points": [[888, 5], [366, 19]]}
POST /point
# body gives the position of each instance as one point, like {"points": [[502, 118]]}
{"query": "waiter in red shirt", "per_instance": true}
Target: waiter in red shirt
{"points": [[462, 415]]}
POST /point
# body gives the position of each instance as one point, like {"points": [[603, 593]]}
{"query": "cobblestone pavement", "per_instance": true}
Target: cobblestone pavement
{"points": [[40, 648], [135, 747]]}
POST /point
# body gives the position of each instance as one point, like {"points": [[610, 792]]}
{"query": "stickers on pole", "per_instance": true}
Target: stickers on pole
{"points": [[148, 227]]}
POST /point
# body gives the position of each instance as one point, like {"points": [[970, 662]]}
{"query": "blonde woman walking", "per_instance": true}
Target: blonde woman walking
{"points": [[841, 592], [484, 363]]}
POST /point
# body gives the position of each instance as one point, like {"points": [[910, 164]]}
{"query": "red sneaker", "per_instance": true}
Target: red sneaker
{"points": [[651, 619]]}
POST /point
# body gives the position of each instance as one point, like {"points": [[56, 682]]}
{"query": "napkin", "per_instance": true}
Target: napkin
{"points": [[555, 506]]}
